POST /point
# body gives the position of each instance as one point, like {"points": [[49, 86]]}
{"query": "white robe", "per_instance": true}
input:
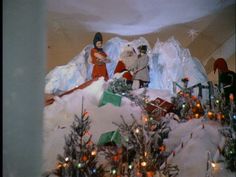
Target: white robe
{"points": [[142, 69]]}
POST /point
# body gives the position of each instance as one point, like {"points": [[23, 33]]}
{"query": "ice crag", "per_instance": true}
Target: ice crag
{"points": [[170, 62]]}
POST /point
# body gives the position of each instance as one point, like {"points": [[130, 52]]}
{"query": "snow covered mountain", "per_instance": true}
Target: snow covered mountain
{"points": [[169, 62]]}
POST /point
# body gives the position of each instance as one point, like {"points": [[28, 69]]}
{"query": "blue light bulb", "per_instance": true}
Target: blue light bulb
{"points": [[234, 116]]}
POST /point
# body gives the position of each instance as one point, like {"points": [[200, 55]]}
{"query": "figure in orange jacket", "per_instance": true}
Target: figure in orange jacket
{"points": [[126, 64], [99, 58]]}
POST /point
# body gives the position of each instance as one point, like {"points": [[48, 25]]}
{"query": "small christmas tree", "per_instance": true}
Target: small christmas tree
{"points": [[187, 106], [230, 147], [79, 158], [218, 110], [143, 148], [229, 151], [183, 105], [142, 151], [230, 154]]}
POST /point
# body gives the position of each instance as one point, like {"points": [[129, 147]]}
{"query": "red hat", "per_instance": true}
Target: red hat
{"points": [[221, 65]]}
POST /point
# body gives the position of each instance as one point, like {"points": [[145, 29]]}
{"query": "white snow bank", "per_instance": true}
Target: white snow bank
{"points": [[58, 118], [192, 158], [61, 113]]}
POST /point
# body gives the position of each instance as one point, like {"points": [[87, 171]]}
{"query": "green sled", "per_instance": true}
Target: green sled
{"points": [[111, 138], [109, 97]]}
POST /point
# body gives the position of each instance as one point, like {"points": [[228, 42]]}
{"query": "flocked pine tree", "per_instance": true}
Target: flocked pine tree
{"points": [[230, 147], [80, 153], [142, 148]]}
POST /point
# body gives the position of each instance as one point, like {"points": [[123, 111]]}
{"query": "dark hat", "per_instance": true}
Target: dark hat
{"points": [[142, 48], [97, 37]]}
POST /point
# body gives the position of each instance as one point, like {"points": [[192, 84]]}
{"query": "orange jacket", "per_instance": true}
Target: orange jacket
{"points": [[99, 68]]}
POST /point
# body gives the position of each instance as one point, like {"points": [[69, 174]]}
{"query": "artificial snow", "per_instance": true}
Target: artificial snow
{"points": [[191, 159], [169, 62], [197, 143]]}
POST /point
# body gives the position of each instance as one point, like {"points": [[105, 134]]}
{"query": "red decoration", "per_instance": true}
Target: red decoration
{"points": [[210, 115], [231, 97], [116, 158], [161, 106], [162, 148], [86, 114], [150, 173], [185, 79], [221, 65], [84, 158]]}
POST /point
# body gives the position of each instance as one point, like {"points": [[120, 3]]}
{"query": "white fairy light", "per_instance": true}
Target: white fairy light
{"points": [[213, 165], [137, 130]]}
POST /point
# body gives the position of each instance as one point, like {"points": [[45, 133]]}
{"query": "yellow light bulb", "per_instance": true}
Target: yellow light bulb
{"points": [[94, 152], [65, 165], [145, 154], [59, 166], [213, 165], [210, 114], [144, 164]]}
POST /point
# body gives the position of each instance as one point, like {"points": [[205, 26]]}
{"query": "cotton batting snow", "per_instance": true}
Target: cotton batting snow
{"points": [[168, 61], [191, 160]]}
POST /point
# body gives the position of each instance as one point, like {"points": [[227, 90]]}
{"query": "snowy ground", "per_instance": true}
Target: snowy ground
{"points": [[191, 159], [197, 141]]}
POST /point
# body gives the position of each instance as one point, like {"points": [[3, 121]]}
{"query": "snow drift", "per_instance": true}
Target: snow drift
{"points": [[191, 159]]}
